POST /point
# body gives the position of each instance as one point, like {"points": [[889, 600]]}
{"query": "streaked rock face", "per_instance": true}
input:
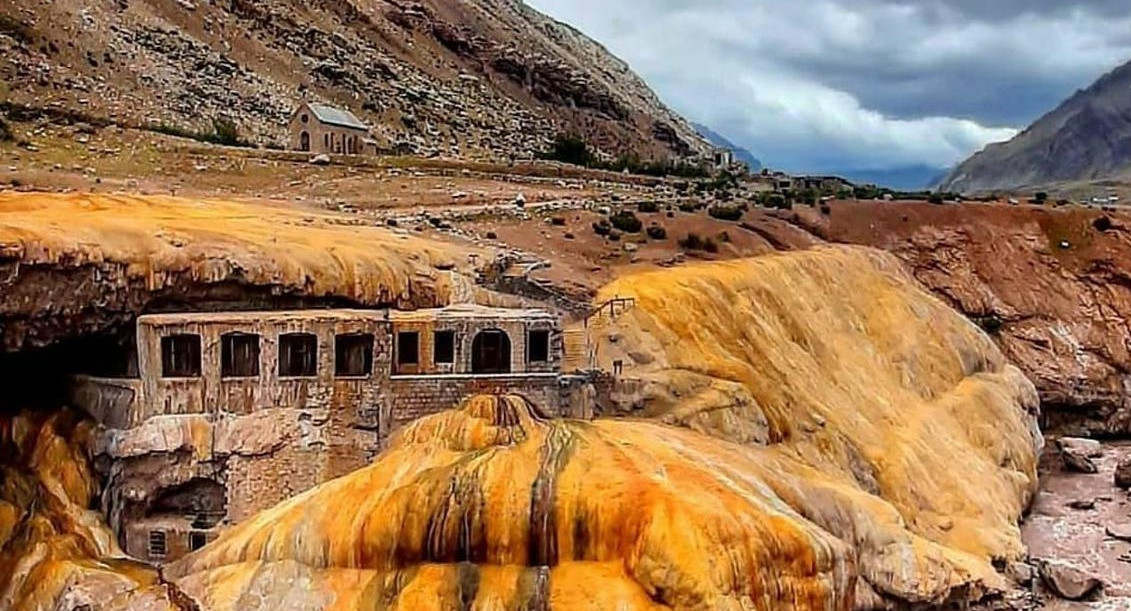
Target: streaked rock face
{"points": [[813, 432], [855, 444], [55, 552]]}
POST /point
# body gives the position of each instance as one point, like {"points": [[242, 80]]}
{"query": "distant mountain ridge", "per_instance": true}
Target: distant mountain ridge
{"points": [[1088, 137], [721, 141], [906, 178]]}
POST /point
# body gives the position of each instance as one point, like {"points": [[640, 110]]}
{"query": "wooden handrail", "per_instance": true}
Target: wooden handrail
{"points": [[626, 303]]}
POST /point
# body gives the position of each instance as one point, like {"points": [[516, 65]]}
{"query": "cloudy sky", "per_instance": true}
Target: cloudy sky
{"points": [[831, 85]]}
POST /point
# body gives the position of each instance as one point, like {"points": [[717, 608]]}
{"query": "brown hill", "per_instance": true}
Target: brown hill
{"points": [[467, 77], [1087, 138]]}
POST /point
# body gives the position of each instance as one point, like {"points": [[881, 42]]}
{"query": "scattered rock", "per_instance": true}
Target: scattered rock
{"points": [[1123, 473], [1076, 455], [1119, 531], [320, 159], [1082, 505], [1068, 581], [1086, 447], [1021, 573]]}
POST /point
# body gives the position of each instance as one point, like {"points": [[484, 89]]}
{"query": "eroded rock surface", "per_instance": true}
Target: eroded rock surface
{"points": [[84, 264]]}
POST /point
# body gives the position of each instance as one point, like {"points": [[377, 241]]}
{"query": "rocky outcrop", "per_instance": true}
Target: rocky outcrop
{"points": [[73, 265], [1048, 284], [55, 552], [1085, 138], [485, 78], [833, 357]]}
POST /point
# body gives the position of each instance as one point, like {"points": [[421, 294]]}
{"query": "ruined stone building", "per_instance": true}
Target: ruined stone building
{"points": [[234, 412], [318, 128]]}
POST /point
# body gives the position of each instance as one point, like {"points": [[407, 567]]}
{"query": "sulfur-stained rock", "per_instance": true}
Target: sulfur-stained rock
{"points": [[820, 434], [55, 552], [63, 254]]}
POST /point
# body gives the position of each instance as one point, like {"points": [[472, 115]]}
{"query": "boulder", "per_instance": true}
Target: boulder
{"points": [[1087, 447], [320, 159], [1120, 531], [1067, 581], [1021, 573], [1078, 453], [1123, 473]]}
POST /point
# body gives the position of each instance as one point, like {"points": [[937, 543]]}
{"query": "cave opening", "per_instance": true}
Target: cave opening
{"points": [[40, 377]]}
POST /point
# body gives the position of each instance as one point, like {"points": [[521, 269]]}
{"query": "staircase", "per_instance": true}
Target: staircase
{"points": [[577, 343]]}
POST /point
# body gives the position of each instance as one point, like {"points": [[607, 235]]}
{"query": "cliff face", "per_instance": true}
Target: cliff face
{"points": [[56, 552], [819, 434], [75, 265], [1088, 137], [473, 77], [1049, 285]]}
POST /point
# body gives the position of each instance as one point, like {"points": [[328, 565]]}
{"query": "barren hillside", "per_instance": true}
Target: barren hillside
{"points": [[468, 77]]}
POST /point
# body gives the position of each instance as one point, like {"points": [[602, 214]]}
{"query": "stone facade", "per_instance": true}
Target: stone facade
{"points": [[316, 128], [234, 412]]}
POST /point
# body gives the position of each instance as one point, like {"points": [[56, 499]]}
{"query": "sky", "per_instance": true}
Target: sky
{"points": [[829, 85]]}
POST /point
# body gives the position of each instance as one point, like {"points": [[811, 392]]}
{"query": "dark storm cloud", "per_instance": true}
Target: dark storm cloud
{"points": [[829, 84]]}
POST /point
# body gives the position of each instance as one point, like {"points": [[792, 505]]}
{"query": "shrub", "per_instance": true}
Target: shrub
{"points": [[936, 198], [602, 227], [671, 214], [724, 237], [626, 222], [725, 213], [5, 131], [694, 242], [491, 235], [1041, 197], [688, 207], [568, 236], [826, 210], [569, 148], [779, 201], [657, 233], [391, 222], [224, 132], [648, 207], [558, 221], [614, 235], [1102, 224]]}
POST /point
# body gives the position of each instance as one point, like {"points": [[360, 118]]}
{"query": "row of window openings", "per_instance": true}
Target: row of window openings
{"points": [[444, 346], [239, 355], [158, 543], [298, 353]]}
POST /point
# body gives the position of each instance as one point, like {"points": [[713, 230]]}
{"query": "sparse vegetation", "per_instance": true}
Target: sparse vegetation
{"points": [[726, 213], [1103, 223], [602, 227], [694, 242], [626, 221], [648, 207], [5, 131], [657, 232], [1040, 198], [936, 198], [826, 209], [15, 28], [574, 150], [224, 132], [558, 221]]}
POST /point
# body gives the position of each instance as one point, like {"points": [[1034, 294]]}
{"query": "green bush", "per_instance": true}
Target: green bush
{"points": [[602, 227], [694, 242], [657, 233], [648, 207], [725, 213], [626, 222], [569, 148], [688, 207], [936, 198], [224, 132]]}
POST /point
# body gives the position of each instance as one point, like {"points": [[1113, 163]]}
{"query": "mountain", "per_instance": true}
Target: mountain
{"points": [[908, 178], [721, 141], [1086, 138], [477, 78]]}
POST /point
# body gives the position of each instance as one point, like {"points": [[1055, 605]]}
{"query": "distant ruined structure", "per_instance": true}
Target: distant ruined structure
{"points": [[234, 412]]}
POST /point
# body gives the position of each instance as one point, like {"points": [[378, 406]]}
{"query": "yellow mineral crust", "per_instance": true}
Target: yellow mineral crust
{"points": [[56, 552], [158, 238], [820, 434]]}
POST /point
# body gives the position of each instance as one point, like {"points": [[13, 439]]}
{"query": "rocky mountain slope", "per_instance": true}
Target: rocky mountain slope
{"points": [[469, 77], [1087, 138]]}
